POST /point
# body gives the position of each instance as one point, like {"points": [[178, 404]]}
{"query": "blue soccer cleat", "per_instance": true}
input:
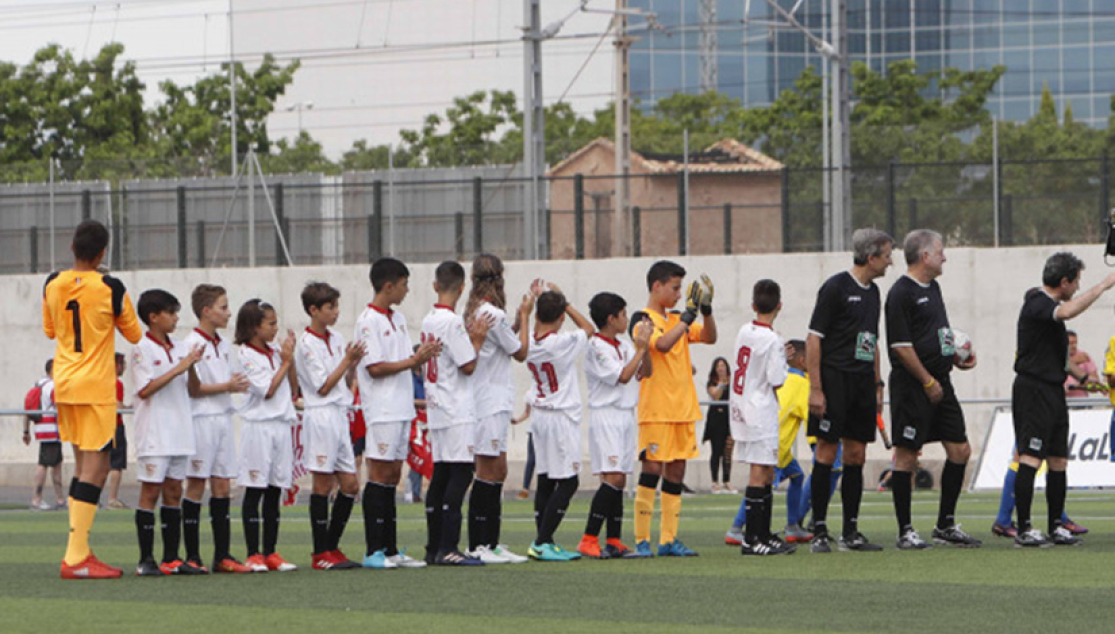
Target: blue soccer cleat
{"points": [[675, 549]]}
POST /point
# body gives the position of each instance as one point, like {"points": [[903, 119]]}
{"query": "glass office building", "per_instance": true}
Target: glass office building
{"points": [[1068, 45]]}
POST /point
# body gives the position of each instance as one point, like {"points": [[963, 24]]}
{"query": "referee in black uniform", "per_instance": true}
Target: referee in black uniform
{"points": [[845, 392], [1041, 417], [923, 404]]}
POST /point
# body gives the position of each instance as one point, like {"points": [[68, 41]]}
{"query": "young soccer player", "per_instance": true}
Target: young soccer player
{"points": [[50, 447], [322, 359], [450, 413], [81, 310], [212, 384], [556, 406], [387, 399], [758, 370], [118, 459], [164, 433], [266, 452], [613, 369], [668, 407], [495, 398]]}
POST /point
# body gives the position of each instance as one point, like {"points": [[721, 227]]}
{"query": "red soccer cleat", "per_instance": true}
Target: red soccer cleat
{"points": [[90, 568]]}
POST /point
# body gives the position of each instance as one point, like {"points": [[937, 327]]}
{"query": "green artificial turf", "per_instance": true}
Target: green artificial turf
{"points": [[994, 589]]}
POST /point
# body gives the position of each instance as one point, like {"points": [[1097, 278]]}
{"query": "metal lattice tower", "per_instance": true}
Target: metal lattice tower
{"points": [[709, 72]]}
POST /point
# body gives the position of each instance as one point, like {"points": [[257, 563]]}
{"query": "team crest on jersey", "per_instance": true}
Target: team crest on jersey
{"points": [[158, 361], [254, 475], [321, 461], [1035, 444], [653, 447]]}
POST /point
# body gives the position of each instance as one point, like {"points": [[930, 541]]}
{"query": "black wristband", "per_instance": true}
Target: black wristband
{"points": [[689, 317], [880, 384], [706, 309]]}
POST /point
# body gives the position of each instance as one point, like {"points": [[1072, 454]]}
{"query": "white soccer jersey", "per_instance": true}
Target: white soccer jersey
{"points": [[214, 367], [495, 390], [163, 424], [450, 398], [552, 362], [315, 358], [260, 366], [604, 363], [758, 367], [389, 399]]}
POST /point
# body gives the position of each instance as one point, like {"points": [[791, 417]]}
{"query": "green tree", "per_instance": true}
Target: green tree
{"points": [[466, 134], [304, 155]]}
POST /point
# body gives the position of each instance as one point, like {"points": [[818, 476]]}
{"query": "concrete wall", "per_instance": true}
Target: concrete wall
{"points": [[983, 288]]}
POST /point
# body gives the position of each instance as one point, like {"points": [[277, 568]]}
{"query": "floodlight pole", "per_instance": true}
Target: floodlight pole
{"points": [[232, 86], [621, 245], [534, 137]]}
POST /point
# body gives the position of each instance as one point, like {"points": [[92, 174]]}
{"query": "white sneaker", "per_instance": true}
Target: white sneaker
{"points": [[511, 557], [408, 498], [402, 560], [487, 555]]}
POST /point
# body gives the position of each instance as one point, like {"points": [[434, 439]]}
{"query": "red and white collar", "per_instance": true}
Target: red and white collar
{"points": [[166, 347], [326, 337], [762, 325], [445, 307]]}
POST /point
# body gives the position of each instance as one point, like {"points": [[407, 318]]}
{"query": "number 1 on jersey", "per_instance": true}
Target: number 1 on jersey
{"points": [[546, 368], [742, 360], [74, 306]]}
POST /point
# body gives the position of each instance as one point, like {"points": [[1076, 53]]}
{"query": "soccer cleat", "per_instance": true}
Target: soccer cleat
{"points": [[505, 552], [455, 558], [485, 554], [590, 547], [642, 550], [796, 533], [200, 566], [90, 568], [179, 567], [1005, 530], [148, 568], [546, 552], [1074, 528], [910, 540], [675, 549], [857, 541], [230, 565], [955, 536], [821, 542], [568, 554], [1062, 536], [402, 560], [257, 563], [341, 561], [323, 561], [734, 536], [773, 546], [379, 560], [1031, 539], [617, 550], [276, 563]]}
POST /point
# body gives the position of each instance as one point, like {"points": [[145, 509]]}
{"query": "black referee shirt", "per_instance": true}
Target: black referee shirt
{"points": [[916, 316], [846, 317], [1043, 345]]}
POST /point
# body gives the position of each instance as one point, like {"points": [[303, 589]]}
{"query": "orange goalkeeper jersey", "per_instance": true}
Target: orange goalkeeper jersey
{"points": [[81, 311]]}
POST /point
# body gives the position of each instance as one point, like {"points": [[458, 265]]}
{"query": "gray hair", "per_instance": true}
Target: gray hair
{"points": [[867, 242], [919, 241]]}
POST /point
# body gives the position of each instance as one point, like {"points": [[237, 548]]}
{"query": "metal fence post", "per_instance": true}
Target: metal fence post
{"points": [[579, 216], [459, 233], [1006, 222], [375, 223], [1105, 190], [637, 231], [728, 228], [200, 243], [284, 226], [892, 212], [477, 215], [682, 211], [787, 226], [913, 212], [34, 235], [86, 204], [180, 195]]}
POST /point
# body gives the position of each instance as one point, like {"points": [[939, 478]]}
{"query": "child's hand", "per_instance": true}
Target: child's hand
{"points": [[354, 352], [426, 350], [526, 306], [537, 287], [286, 351], [479, 327], [641, 334], [238, 383], [192, 357]]}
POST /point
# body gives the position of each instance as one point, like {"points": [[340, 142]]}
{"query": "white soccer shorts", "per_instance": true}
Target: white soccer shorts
{"points": [[328, 447], [453, 443], [613, 440], [491, 434], [387, 442], [762, 451], [215, 455], [557, 443], [156, 469], [266, 455]]}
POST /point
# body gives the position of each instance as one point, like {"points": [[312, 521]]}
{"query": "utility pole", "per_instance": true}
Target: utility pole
{"points": [[841, 130], [534, 140], [620, 242], [710, 74], [232, 88]]}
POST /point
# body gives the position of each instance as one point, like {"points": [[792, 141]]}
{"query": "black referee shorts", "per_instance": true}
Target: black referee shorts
{"points": [[1041, 418], [118, 458], [849, 407], [915, 421]]}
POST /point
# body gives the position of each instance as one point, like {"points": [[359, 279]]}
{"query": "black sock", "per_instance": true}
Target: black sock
{"points": [[319, 522], [145, 533], [86, 492], [222, 530], [753, 500], [900, 488], [1056, 486], [251, 518], [1024, 495], [375, 516], [460, 477], [615, 511], [952, 480], [821, 480], [598, 510], [73, 485], [171, 518], [479, 508], [191, 518], [495, 513], [435, 497], [390, 522], [851, 492], [342, 510], [556, 507], [768, 512], [542, 495], [271, 497]]}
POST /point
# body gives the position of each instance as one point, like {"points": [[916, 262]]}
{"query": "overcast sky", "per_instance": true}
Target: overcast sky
{"points": [[368, 66]]}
